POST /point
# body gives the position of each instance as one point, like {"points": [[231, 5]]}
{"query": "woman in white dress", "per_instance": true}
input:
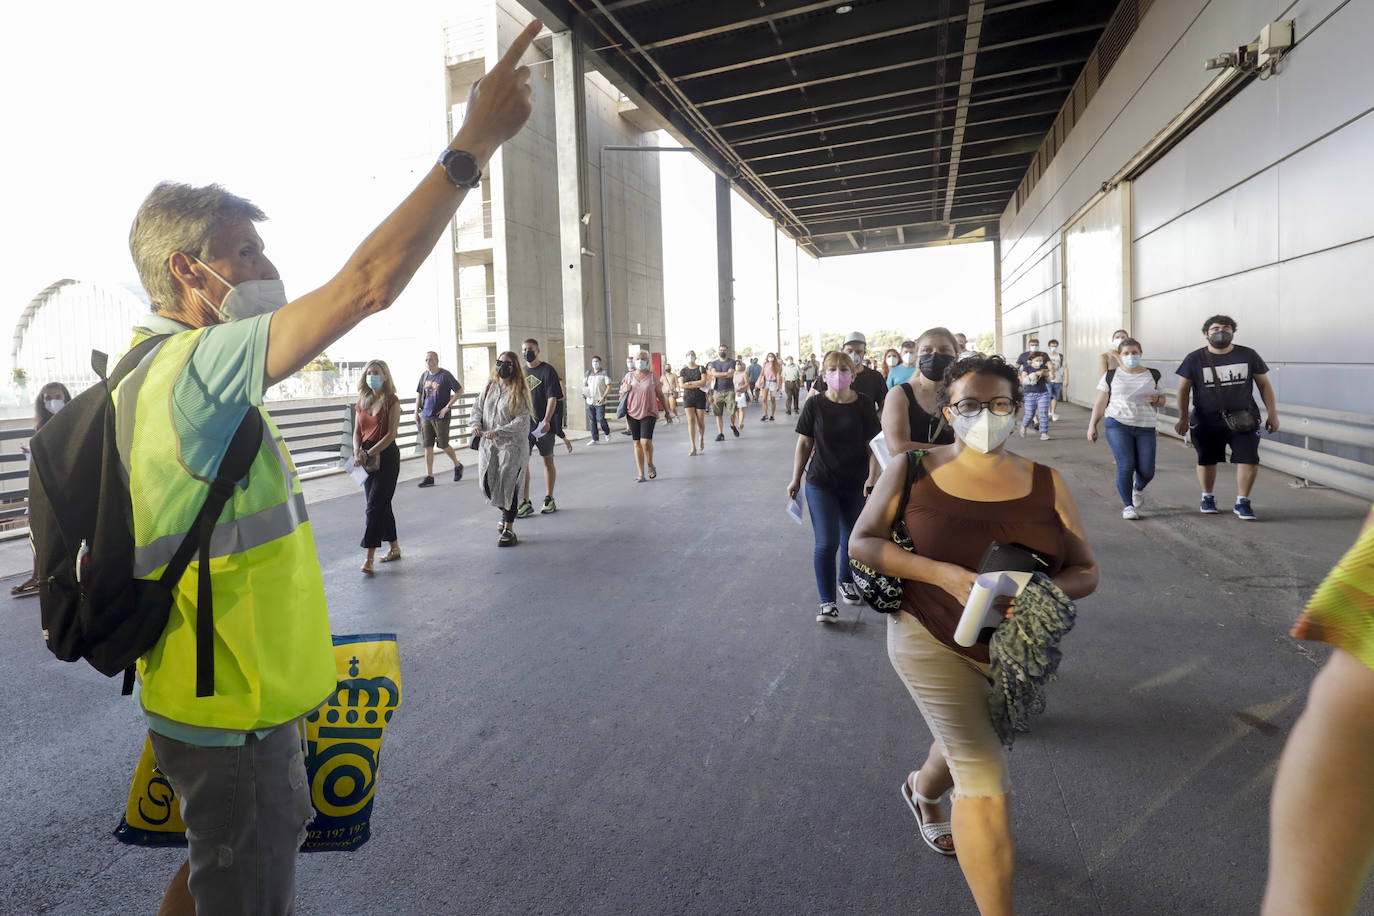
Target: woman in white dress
{"points": [[503, 425]]}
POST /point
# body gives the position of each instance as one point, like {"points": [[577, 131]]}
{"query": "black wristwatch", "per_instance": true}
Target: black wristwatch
{"points": [[461, 168]]}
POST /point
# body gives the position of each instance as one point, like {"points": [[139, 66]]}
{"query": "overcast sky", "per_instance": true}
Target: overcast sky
{"points": [[325, 115]]}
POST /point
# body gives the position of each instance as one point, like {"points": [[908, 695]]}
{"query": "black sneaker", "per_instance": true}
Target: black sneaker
{"points": [[457, 473], [849, 593], [507, 538], [550, 507], [526, 509], [828, 613], [427, 482], [734, 429], [721, 436]]}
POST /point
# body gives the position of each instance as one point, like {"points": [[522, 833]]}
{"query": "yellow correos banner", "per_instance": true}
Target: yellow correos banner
{"points": [[343, 756]]}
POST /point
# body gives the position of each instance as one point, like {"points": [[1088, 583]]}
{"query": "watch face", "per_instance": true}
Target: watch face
{"points": [[462, 168]]}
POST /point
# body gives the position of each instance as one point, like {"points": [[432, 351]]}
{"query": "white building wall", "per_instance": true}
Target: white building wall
{"points": [[528, 269], [1265, 212]]}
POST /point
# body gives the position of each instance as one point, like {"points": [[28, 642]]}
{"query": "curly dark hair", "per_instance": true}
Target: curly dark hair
{"points": [[979, 365]]}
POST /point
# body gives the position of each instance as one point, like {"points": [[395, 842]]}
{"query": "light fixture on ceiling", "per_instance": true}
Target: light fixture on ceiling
{"points": [[845, 8]]}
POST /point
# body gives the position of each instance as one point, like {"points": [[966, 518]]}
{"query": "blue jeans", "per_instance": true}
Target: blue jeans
{"points": [[1134, 449], [832, 518], [596, 417], [1038, 402]]}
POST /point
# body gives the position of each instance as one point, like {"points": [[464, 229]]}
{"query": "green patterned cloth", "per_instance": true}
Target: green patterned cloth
{"points": [[1341, 613], [1025, 655]]}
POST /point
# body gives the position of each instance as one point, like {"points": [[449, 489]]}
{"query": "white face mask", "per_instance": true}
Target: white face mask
{"points": [[54, 404], [1116, 341], [909, 358], [984, 431], [892, 361], [247, 300]]}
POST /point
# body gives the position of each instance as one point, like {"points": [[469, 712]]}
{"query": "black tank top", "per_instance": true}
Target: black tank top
{"points": [[923, 426]]}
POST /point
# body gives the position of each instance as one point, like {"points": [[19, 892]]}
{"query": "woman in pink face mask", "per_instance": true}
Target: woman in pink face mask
{"points": [[832, 448]]}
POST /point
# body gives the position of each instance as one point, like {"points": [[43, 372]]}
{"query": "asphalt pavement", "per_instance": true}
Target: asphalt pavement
{"points": [[634, 711]]}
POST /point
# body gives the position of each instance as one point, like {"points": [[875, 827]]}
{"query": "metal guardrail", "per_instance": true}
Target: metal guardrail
{"points": [[319, 438], [1300, 447]]}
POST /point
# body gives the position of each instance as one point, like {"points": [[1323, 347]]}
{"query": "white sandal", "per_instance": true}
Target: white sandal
{"points": [[929, 832]]}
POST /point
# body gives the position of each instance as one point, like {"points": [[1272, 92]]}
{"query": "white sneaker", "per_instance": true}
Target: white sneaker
{"points": [[849, 593], [1129, 513], [1044, 437], [1137, 498], [1054, 418], [1023, 432], [829, 613]]}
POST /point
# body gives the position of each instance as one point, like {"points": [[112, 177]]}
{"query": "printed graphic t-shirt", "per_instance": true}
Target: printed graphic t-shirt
{"points": [[436, 390], [544, 384], [1237, 370]]}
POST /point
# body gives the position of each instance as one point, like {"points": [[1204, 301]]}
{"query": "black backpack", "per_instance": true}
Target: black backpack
{"points": [[81, 530]]}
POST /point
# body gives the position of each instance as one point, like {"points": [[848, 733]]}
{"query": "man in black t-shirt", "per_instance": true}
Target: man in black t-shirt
{"points": [[546, 390], [1221, 377], [721, 374], [435, 396]]}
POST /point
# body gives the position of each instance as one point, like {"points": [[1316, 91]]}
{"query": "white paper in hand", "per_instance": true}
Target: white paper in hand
{"points": [[540, 430], [979, 613], [878, 445], [794, 508], [352, 469]]}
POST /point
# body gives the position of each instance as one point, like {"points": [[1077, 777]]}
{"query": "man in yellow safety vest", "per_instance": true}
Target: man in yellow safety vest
{"points": [[235, 757]]}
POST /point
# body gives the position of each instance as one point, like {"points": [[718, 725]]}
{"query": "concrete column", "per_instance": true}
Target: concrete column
{"points": [[725, 265], [997, 295], [570, 122]]}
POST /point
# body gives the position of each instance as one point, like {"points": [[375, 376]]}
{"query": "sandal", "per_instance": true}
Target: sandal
{"points": [[653, 472], [392, 554], [640, 479], [367, 567], [930, 833]]}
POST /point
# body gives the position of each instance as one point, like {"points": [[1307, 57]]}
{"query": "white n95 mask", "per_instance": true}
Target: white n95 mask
{"points": [[246, 300], [984, 431]]}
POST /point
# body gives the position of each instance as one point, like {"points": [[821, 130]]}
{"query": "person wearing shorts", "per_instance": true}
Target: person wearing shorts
{"points": [[546, 390], [1221, 377], [435, 396], [721, 374], [644, 397]]}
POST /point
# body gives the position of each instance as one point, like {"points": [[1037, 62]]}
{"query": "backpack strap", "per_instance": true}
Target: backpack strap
{"points": [[243, 449], [1111, 373], [101, 361], [1155, 373]]}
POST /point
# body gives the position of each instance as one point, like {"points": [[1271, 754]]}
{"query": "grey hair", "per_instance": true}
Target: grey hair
{"points": [[178, 217]]}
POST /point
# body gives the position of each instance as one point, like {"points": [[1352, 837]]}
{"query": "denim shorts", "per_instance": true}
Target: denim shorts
{"points": [[1056, 389], [246, 810]]}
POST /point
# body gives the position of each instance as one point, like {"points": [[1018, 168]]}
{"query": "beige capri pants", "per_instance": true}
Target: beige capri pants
{"points": [[951, 690]]}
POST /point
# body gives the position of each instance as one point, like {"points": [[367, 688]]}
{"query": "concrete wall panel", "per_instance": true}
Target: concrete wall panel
{"points": [[1319, 212]]}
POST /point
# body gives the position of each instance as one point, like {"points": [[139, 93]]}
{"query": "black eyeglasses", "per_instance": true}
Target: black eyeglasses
{"points": [[970, 407]]}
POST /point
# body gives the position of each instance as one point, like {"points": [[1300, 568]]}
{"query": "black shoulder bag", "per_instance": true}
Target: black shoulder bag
{"points": [[882, 592]]}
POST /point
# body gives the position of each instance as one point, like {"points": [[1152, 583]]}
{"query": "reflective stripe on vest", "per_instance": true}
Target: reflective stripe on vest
{"points": [[273, 653]]}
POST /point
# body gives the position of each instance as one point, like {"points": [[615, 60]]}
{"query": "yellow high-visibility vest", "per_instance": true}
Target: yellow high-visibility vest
{"points": [[274, 659]]}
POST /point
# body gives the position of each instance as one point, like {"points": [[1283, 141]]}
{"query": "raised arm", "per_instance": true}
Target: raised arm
{"points": [[383, 264]]}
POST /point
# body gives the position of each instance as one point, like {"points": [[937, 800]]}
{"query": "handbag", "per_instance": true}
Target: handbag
{"points": [[1237, 421], [880, 591]]}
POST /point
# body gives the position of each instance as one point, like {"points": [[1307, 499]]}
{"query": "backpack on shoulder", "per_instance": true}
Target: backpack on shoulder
{"points": [[81, 530]]}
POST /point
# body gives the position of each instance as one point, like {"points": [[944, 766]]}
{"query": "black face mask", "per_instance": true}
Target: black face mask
{"points": [[530, 356], [504, 369], [933, 365], [722, 354], [1220, 340]]}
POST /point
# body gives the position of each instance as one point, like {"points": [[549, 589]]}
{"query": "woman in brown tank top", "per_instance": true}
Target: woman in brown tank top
{"points": [[965, 496]]}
